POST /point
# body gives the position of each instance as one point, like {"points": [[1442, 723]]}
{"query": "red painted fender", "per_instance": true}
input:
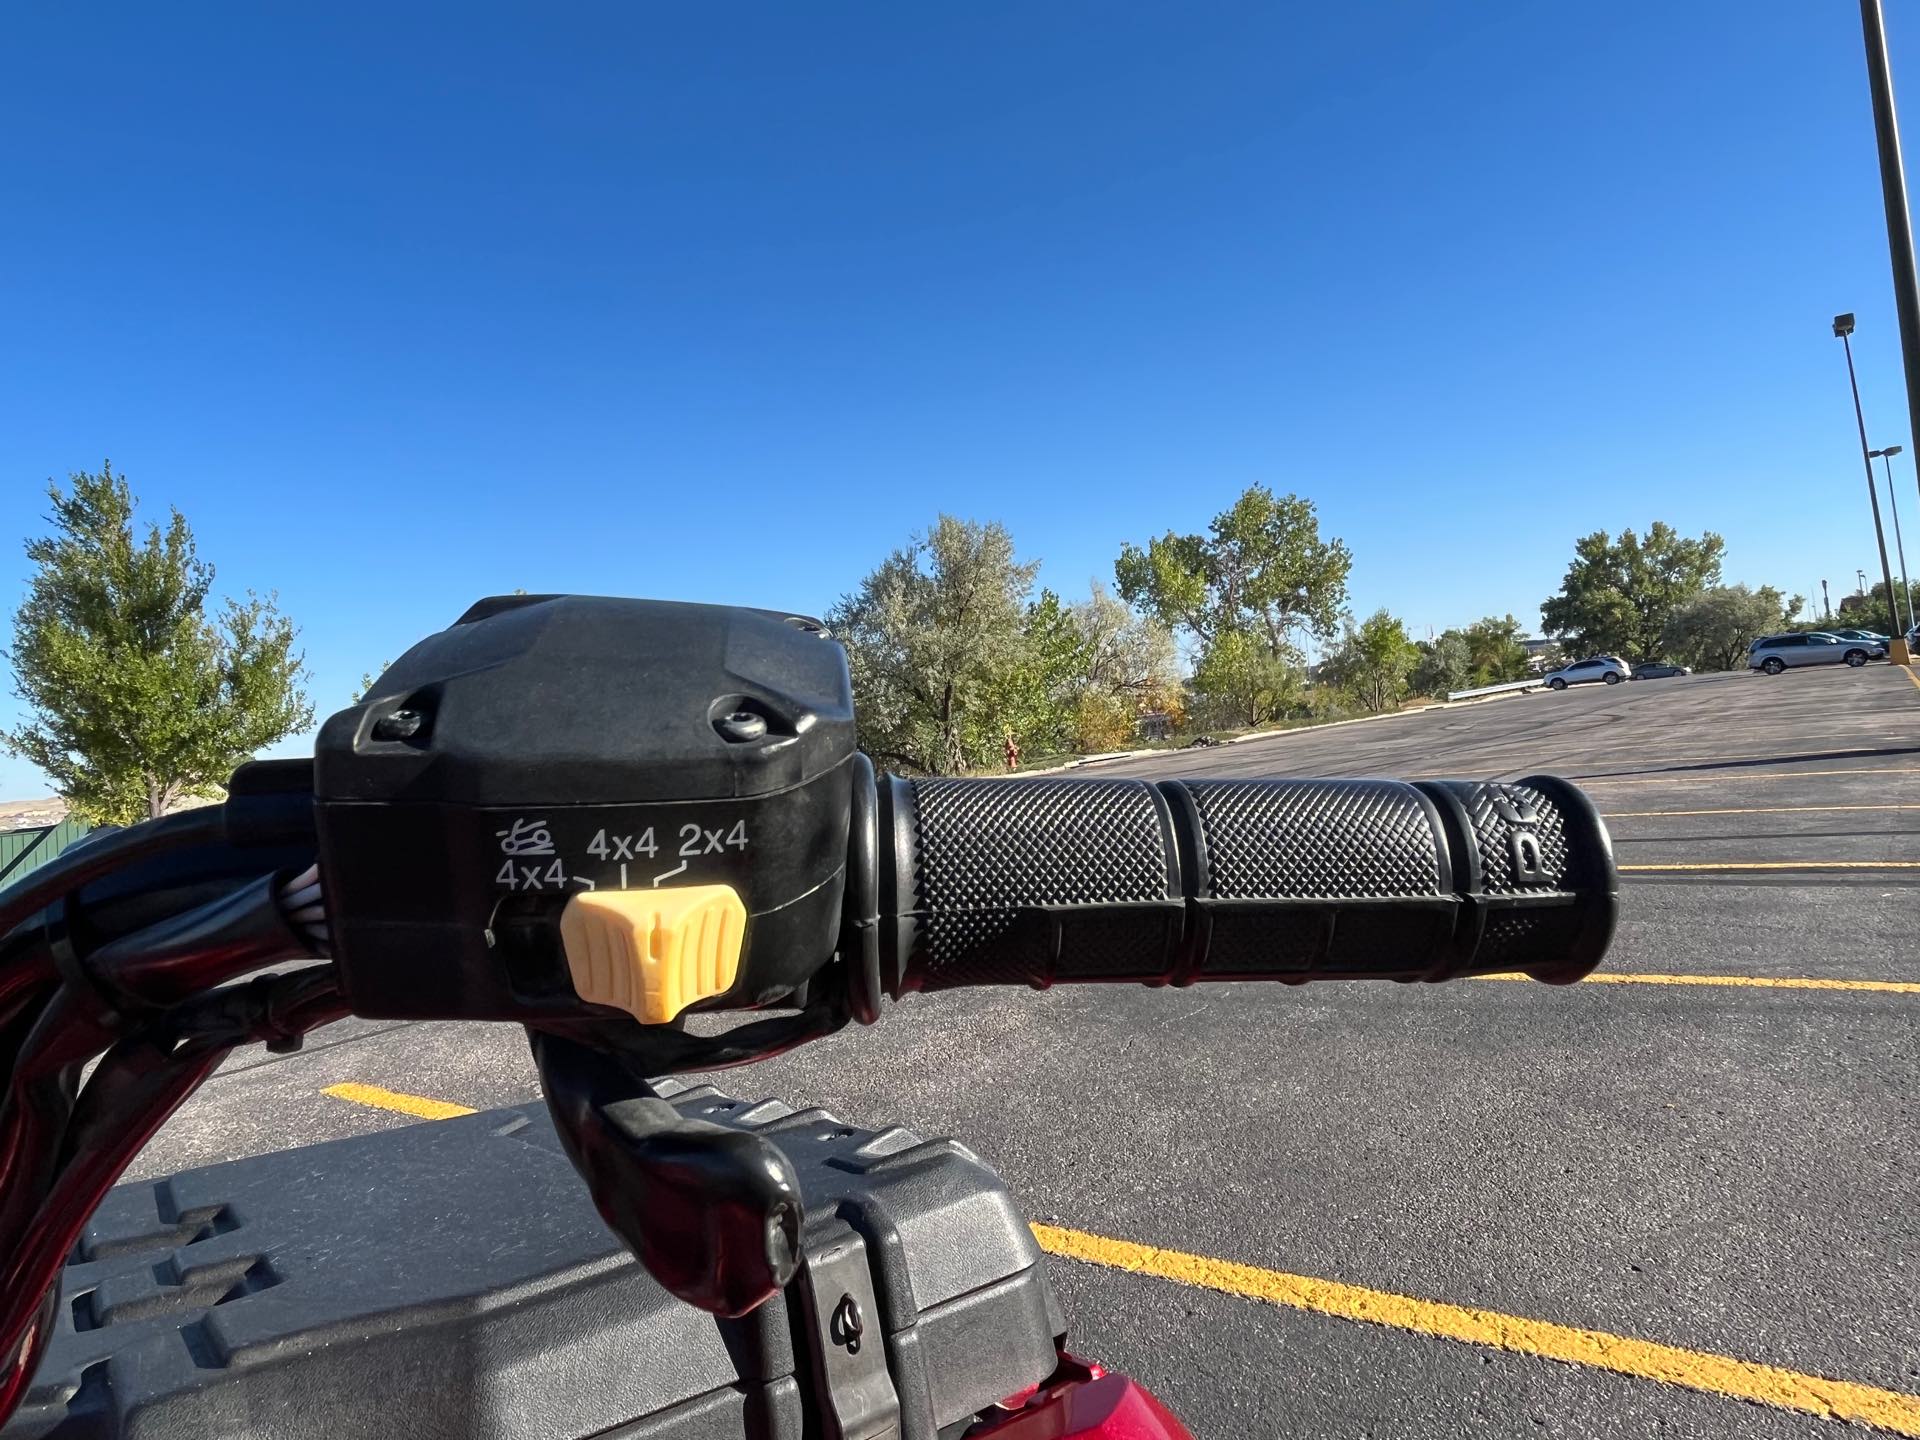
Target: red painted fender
{"points": [[1083, 1402]]}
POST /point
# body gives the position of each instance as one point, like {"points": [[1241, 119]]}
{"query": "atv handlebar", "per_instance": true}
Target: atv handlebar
{"points": [[694, 829], [1176, 881]]}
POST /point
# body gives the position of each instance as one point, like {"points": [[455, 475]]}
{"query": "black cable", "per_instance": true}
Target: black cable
{"points": [[90, 859], [34, 1112], [175, 959]]}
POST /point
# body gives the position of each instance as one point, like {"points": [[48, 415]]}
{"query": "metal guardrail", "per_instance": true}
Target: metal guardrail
{"points": [[29, 849], [1531, 684]]}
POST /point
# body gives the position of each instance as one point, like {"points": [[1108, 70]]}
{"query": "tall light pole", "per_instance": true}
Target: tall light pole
{"points": [[1893, 194], [1825, 601], [1896, 645], [1885, 457]]}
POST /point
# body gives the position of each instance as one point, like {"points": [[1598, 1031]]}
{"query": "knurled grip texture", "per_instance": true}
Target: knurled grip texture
{"points": [[1027, 881], [1037, 881]]}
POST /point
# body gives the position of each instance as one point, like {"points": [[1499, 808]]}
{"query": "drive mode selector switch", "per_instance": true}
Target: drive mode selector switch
{"points": [[652, 953]]}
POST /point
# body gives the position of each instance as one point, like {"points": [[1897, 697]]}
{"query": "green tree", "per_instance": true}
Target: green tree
{"points": [[1131, 667], [137, 697], [1445, 664], [1033, 692], [1869, 612], [1373, 661], [1495, 653], [1713, 630], [1259, 577], [947, 654], [1619, 594], [1261, 567], [1242, 682], [1127, 654]]}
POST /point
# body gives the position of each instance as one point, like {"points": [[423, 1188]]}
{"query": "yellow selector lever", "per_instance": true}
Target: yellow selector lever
{"points": [[652, 953]]}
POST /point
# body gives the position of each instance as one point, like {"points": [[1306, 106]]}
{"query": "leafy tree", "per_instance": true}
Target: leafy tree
{"points": [[1445, 664], [947, 655], [1713, 630], [137, 696], [1127, 654], [1373, 661], [1261, 568], [1619, 594], [1494, 651], [1102, 722], [1131, 667], [1258, 577], [1869, 612], [1243, 682], [1032, 694], [1487, 652]]}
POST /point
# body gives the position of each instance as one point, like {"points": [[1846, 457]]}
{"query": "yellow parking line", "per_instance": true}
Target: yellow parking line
{"points": [[380, 1099], [1741, 778], [1761, 982], [1911, 676], [1718, 865], [1621, 1354], [1752, 810]]}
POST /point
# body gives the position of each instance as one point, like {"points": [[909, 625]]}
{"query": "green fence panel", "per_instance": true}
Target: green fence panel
{"points": [[25, 850]]}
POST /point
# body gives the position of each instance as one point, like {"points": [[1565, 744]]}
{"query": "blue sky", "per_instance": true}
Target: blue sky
{"points": [[406, 305]]}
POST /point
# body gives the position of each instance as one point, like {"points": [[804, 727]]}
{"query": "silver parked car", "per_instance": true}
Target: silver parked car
{"points": [[1774, 653], [1659, 670], [1601, 669]]}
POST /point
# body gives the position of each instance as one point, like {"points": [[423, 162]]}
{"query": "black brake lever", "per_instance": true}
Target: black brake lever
{"points": [[714, 1213]]}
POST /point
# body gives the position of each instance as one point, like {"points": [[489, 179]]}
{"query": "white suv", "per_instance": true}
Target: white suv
{"points": [[1607, 669]]}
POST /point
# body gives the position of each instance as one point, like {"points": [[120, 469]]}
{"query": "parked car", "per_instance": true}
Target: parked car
{"points": [[1659, 670], [1774, 653], [1871, 637], [1601, 669]]}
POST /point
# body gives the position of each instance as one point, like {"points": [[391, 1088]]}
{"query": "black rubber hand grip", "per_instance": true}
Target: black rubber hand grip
{"points": [[1169, 882]]}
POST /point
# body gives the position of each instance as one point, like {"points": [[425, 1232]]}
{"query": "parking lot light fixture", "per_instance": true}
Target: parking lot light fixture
{"points": [[1897, 644], [1885, 457]]}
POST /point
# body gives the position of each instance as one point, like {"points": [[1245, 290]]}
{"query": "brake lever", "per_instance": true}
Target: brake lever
{"points": [[714, 1213]]}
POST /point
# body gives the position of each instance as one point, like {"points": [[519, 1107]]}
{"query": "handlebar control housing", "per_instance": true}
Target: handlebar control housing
{"points": [[547, 746]]}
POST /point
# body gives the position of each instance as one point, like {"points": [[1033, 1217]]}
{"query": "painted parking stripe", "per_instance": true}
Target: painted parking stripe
{"points": [[416, 1105], [1756, 982], [1587, 781], [1732, 866], [1751, 810], [1596, 1349]]}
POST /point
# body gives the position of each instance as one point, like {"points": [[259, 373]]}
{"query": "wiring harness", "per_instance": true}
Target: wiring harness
{"points": [[144, 950]]}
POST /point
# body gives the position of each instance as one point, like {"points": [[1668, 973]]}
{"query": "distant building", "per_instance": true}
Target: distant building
{"points": [[1542, 654]]}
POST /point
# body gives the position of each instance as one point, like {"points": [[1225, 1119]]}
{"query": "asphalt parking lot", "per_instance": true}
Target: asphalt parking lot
{"points": [[1655, 1200]]}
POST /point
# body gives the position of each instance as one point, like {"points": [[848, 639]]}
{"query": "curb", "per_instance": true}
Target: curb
{"points": [[1086, 760]]}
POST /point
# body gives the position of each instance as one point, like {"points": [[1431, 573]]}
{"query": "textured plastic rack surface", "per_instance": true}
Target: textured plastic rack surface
{"points": [[453, 1280]]}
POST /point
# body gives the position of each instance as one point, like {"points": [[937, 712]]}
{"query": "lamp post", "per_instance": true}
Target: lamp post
{"points": [[1897, 644], [1885, 457], [1893, 194]]}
